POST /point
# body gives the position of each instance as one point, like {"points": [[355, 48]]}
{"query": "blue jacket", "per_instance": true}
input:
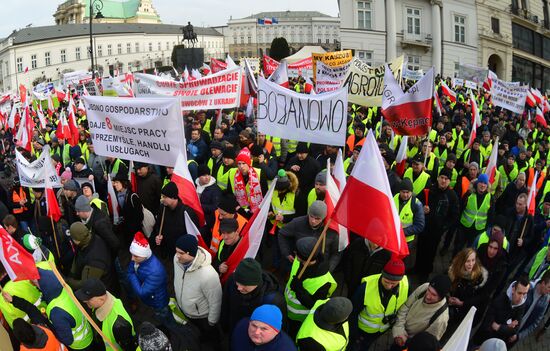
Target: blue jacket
{"points": [[149, 281], [241, 342]]}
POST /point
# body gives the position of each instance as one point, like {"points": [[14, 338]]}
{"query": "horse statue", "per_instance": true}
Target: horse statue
{"points": [[189, 34]]}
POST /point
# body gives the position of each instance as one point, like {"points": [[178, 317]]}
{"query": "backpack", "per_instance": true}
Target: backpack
{"points": [[148, 222]]}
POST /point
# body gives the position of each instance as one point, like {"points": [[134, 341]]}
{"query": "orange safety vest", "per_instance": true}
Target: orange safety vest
{"points": [[540, 179], [51, 345], [465, 185], [216, 236], [268, 146], [351, 142], [18, 197]]}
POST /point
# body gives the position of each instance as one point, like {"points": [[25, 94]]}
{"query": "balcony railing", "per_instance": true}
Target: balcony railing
{"points": [[421, 39], [526, 15]]}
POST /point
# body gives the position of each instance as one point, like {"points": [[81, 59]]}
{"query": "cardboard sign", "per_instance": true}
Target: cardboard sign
{"points": [[332, 59], [330, 78], [33, 174], [509, 95]]}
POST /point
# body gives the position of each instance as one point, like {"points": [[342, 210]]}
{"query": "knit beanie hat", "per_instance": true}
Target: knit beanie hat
{"points": [[318, 209], [228, 204], [445, 172], [82, 204], [140, 246], [282, 180], [87, 185], [474, 164], [493, 344], [248, 272], [244, 156], [170, 190], [203, 170], [188, 243], [216, 145], [268, 314], [67, 174], [229, 153], [71, 184], [31, 242], [423, 341], [483, 178], [302, 148], [441, 284], [394, 270], [321, 177], [336, 310], [228, 225], [304, 247], [80, 232], [152, 339], [406, 185]]}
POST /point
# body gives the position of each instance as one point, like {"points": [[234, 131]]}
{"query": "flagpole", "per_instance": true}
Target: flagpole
{"points": [[75, 300], [315, 248], [55, 241]]}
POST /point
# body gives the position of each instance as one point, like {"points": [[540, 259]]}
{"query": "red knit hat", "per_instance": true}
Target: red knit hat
{"points": [[244, 156], [140, 246], [394, 270]]}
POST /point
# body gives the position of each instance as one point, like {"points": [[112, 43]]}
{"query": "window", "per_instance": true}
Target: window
{"points": [[414, 63], [137, 47], [150, 46], [47, 59], [365, 56], [319, 41], [19, 64], [63, 56], [249, 39], [119, 48], [495, 25], [33, 61], [242, 40], [364, 15], [100, 50], [167, 45], [327, 41], [460, 29], [413, 21], [77, 53], [159, 46], [109, 50], [128, 48]]}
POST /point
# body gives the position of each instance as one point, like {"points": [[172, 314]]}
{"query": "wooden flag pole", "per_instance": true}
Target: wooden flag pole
{"points": [[315, 248], [55, 240], [161, 223]]}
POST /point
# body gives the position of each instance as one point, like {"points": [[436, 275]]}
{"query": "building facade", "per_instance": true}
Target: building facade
{"points": [[439, 33], [246, 37], [514, 40], [126, 11], [37, 54]]}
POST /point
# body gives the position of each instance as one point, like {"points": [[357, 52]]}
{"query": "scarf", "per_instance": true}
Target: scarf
{"points": [[256, 197]]}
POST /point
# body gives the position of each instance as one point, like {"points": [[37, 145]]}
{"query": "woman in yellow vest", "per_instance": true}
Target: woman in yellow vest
{"points": [[326, 327]]}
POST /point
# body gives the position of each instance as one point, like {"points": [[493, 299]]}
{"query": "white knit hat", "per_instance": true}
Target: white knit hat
{"points": [[140, 246]]}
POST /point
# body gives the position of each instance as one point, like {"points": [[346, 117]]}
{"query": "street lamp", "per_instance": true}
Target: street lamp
{"points": [[95, 7]]}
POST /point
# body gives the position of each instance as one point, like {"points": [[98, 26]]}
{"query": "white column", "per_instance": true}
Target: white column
{"points": [[391, 31], [436, 36]]}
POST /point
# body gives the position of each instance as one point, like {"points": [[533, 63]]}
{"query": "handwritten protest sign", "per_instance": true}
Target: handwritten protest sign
{"points": [[365, 84], [332, 59], [318, 119], [213, 92], [33, 174], [140, 129], [330, 78], [509, 95]]}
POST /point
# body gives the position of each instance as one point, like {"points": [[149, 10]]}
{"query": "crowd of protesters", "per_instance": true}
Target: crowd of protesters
{"points": [[159, 289]]}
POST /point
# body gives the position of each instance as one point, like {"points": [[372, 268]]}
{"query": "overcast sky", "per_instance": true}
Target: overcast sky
{"points": [[18, 14]]}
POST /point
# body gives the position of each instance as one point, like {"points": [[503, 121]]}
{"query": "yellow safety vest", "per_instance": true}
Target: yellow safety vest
{"points": [[331, 341], [473, 214], [286, 207], [420, 183], [406, 215]]}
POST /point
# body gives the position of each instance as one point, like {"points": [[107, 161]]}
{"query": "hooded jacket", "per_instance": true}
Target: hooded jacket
{"points": [[197, 288], [148, 281]]}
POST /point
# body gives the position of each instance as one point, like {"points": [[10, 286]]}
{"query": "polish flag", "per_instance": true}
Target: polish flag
{"points": [[195, 74], [193, 230], [112, 200], [473, 135], [366, 206], [54, 212], [186, 188], [14, 118], [252, 83], [41, 117], [132, 177], [530, 100], [51, 107], [63, 132], [24, 132], [249, 108], [492, 164], [438, 104], [17, 261], [476, 119], [339, 173], [280, 76], [251, 234], [185, 74], [448, 92], [61, 95], [206, 69], [536, 95], [545, 106], [229, 62], [331, 200], [531, 205], [22, 93], [404, 109], [401, 158], [72, 137], [217, 65], [539, 118], [308, 86]]}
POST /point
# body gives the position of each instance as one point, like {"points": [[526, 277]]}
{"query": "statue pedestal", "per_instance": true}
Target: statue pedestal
{"points": [[190, 57]]}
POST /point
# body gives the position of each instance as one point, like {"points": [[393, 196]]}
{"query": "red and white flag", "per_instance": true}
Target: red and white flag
{"points": [[401, 158], [308, 86], [473, 135], [51, 107], [366, 206], [41, 117], [206, 70], [537, 95], [530, 99], [112, 200], [132, 176], [14, 118], [186, 188], [251, 235], [229, 62], [409, 113], [448, 92], [438, 104], [531, 199], [24, 132], [280, 76], [476, 119], [492, 164], [192, 229], [251, 87], [545, 106], [539, 118], [332, 198], [185, 74], [17, 261], [54, 212]]}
